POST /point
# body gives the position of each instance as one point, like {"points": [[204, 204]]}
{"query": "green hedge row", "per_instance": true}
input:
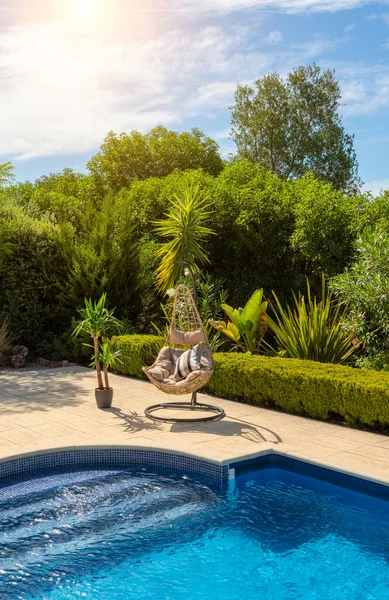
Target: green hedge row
{"points": [[318, 390], [300, 387], [137, 351]]}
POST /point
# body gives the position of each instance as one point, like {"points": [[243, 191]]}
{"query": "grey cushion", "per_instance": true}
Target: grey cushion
{"points": [[189, 361]]}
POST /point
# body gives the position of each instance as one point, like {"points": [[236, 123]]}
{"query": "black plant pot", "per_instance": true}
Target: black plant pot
{"points": [[104, 398]]}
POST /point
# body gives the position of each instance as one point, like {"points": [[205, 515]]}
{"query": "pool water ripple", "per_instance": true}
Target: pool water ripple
{"points": [[116, 534]]}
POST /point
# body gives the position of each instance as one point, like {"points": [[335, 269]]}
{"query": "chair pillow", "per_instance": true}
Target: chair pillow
{"points": [[191, 377], [189, 338], [159, 373], [188, 361]]}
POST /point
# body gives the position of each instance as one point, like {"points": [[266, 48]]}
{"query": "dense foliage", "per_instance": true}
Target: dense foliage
{"points": [[286, 208], [63, 239], [364, 287]]}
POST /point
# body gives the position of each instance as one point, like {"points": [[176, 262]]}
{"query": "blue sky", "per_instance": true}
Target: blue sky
{"points": [[71, 71]]}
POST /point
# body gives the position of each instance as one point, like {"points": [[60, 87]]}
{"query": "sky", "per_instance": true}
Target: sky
{"points": [[72, 70]]}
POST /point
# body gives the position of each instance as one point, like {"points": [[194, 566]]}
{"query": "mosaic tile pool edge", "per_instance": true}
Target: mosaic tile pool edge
{"points": [[129, 457]]}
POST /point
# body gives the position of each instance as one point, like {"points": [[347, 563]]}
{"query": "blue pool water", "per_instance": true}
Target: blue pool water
{"points": [[113, 534]]}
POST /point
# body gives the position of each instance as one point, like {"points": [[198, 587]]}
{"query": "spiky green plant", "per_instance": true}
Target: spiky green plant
{"points": [[97, 321], [313, 329], [185, 228], [247, 325]]}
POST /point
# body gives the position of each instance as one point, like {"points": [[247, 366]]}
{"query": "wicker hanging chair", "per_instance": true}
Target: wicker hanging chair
{"points": [[185, 319], [186, 329]]}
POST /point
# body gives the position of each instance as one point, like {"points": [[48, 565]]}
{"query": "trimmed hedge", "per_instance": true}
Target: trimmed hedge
{"points": [[319, 390], [137, 351]]}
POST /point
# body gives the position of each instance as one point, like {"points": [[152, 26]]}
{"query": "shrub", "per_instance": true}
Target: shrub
{"points": [[137, 351], [318, 390], [303, 387], [312, 330], [364, 288]]}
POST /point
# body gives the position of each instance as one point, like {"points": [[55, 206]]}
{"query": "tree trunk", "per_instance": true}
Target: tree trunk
{"points": [[106, 378], [98, 367]]}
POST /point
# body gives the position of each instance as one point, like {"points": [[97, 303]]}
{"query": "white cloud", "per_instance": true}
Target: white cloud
{"points": [[288, 6], [349, 27], [224, 134], [365, 88], [376, 186], [62, 92], [64, 84], [274, 37]]}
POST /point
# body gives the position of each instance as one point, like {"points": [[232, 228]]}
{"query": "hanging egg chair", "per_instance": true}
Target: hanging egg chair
{"points": [[185, 364]]}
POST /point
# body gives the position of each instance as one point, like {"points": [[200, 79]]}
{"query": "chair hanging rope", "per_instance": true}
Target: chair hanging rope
{"points": [[185, 322]]}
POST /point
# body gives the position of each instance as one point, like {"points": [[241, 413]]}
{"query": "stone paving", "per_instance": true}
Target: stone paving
{"points": [[55, 408]]}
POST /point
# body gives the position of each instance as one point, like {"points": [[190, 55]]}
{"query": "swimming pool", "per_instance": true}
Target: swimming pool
{"points": [[280, 532]]}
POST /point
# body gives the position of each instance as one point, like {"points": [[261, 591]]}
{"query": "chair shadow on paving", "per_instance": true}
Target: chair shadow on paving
{"points": [[133, 422], [232, 427], [40, 391]]}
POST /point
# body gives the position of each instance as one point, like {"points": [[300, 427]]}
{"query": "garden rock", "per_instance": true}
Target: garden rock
{"points": [[15, 356]]}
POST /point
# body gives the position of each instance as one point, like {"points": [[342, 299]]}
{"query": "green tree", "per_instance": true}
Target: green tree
{"points": [[294, 126], [126, 157]]}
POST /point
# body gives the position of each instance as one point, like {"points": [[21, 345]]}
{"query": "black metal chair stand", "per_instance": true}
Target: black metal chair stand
{"points": [[193, 405]]}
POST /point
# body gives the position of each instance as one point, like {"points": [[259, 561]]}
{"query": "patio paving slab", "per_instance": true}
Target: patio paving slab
{"points": [[50, 409]]}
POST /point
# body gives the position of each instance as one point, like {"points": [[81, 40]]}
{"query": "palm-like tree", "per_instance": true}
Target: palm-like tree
{"points": [[97, 321], [185, 227]]}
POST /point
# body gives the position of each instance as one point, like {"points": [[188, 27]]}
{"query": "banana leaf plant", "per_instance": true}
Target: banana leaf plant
{"points": [[247, 325]]}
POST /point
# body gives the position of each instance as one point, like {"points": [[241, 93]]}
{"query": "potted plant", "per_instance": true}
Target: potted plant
{"points": [[98, 322], [106, 358]]}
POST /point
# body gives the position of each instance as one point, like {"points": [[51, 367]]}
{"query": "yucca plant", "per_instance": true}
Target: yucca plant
{"points": [[98, 322], [247, 325], [313, 329], [185, 228]]}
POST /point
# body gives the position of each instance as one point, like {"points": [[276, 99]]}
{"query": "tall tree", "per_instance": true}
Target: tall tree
{"points": [[126, 157], [293, 126]]}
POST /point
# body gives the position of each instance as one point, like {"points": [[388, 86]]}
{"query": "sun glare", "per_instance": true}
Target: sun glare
{"points": [[87, 12]]}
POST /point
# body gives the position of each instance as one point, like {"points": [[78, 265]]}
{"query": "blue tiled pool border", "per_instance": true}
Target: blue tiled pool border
{"points": [[328, 474], [166, 462]]}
